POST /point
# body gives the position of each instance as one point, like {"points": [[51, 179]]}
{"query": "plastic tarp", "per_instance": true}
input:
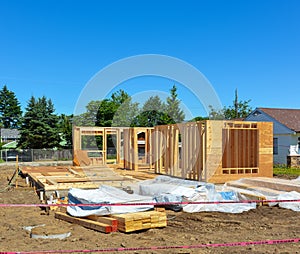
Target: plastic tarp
{"points": [[270, 194], [209, 193], [292, 195], [105, 194], [167, 189], [168, 185]]}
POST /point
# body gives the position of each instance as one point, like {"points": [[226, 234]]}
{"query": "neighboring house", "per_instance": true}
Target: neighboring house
{"points": [[286, 129], [9, 135]]}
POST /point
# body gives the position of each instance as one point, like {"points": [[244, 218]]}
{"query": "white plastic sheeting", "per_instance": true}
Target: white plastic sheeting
{"points": [[168, 185], [271, 194], [293, 195], [105, 194], [168, 189], [209, 193]]}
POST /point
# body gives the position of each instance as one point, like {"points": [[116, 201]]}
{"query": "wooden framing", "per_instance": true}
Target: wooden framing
{"points": [[127, 145], [211, 151], [214, 151], [81, 155]]}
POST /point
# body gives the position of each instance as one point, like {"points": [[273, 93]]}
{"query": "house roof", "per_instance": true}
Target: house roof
{"points": [[10, 145], [289, 117], [10, 133]]}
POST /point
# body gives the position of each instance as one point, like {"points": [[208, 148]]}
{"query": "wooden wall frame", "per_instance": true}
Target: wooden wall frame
{"points": [[210, 151]]}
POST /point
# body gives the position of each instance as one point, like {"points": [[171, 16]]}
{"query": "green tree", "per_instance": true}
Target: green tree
{"points": [[199, 118], [126, 114], [119, 110], [40, 125], [215, 114], [173, 110], [65, 131], [153, 113], [88, 118], [105, 113], [10, 109], [239, 109]]}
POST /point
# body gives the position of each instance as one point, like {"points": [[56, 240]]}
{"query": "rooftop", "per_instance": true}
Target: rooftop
{"points": [[289, 117]]}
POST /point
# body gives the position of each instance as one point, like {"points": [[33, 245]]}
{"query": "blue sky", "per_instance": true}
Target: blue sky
{"points": [[54, 48]]}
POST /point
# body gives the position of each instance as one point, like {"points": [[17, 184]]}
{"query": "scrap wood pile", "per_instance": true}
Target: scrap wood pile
{"points": [[128, 222]]}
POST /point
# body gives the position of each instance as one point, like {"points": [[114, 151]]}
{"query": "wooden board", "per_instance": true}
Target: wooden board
{"points": [[131, 222], [87, 223], [63, 178], [273, 183]]}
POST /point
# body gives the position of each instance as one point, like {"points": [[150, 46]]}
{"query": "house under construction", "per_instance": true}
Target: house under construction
{"points": [[210, 151]]}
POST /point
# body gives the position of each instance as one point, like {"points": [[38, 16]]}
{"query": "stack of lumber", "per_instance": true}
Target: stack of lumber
{"points": [[128, 222], [260, 186]]}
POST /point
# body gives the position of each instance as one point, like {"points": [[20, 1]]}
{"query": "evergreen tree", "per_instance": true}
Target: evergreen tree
{"points": [[173, 110], [40, 125], [65, 130], [10, 109]]}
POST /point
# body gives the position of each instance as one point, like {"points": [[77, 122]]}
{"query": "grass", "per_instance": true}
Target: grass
{"points": [[286, 171]]}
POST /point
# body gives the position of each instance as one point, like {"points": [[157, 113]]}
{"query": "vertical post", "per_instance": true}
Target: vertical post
{"points": [[104, 146], [17, 170], [135, 150]]}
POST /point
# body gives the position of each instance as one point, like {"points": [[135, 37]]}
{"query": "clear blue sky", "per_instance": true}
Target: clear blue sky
{"points": [[53, 48]]}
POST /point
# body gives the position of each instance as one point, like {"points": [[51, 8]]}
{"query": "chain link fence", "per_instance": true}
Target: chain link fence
{"points": [[31, 155]]}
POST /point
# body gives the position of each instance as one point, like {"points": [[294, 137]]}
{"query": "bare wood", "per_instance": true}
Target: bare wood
{"points": [[95, 225]]}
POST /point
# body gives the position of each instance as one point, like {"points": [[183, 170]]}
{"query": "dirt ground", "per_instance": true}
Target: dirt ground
{"points": [[183, 229]]}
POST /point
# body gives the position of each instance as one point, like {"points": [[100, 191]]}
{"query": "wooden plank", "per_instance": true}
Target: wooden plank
{"points": [[272, 183], [106, 220], [131, 222], [95, 225], [253, 187]]}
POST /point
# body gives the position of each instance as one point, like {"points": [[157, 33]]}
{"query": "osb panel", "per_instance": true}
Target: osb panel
{"points": [[257, 154], [214, 149]]}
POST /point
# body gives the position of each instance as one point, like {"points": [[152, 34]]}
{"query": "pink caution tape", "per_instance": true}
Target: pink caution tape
{"points": [[197, 246]]}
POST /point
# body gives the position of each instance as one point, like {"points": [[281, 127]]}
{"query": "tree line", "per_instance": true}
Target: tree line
{"points": [[40, 127], [120, 111]]}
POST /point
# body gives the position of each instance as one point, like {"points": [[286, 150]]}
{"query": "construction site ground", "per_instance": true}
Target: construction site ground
{"points": [[183, 229]]}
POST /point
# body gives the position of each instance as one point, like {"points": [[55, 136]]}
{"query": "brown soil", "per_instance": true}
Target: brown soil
{"points": [[183, 229]]}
